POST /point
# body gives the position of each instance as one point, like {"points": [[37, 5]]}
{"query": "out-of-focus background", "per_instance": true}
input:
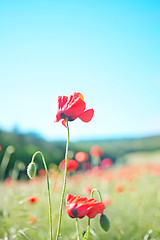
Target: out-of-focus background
{"points": [[107, 50]]}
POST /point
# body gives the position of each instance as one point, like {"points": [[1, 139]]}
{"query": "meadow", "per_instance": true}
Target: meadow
{"points": [[131, 194]]}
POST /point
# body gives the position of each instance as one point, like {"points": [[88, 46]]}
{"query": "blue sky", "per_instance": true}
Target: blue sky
{"points": [[107, 50]]}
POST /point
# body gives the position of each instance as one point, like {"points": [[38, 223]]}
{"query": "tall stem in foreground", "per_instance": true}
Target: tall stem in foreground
{"points": [[49, 195], [64, 183]]}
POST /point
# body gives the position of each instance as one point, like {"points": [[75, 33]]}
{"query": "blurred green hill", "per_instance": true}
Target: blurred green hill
{"points": [[25, 145]]}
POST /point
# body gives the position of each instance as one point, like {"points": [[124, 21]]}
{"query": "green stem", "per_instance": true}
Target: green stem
{"points": [[99, 194], [49, 195], [88, 229], [64, 184], [100, 197], [77, 227], [5, 161]]}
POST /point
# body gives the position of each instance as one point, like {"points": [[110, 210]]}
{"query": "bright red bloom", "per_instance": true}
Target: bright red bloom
{"points": [[81, 156], [73, 107], [32, 199], [72, 165], [80, 207]]}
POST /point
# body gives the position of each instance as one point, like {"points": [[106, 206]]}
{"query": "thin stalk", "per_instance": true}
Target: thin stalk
{"points": [[88, 229], [48, 187], [98, 192], [100, 197], [5, 160], [64, 184], [77, 228]]}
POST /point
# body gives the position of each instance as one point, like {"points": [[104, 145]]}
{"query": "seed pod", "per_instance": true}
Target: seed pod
{"points": [[104, 222], [31, 170]]}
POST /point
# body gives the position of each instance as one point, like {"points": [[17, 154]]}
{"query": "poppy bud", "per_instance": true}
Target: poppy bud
{"points": [[31, 170], [104, 222]]}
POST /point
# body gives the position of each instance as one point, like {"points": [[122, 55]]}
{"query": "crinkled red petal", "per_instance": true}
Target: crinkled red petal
{"points": [[62, 101], [87, 115], [75, 108], [95, 209]]}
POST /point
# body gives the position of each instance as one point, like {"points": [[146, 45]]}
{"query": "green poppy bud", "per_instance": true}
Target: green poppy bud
{"points": [[104, 222], [31, 170]]}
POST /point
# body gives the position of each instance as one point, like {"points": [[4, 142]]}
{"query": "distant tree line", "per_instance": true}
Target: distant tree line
{"points": [[23, 146]]}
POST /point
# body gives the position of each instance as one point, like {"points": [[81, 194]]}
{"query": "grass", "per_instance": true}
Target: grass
{"points": [[134, 210]]}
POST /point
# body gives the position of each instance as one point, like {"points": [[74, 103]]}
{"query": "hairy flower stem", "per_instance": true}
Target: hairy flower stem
{"points": [[77, 227], [64, 183], [49, 195], [100, 197]]}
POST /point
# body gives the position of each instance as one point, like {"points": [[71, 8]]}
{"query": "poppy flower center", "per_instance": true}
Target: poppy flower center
{"points": [[64, 117], [74, 212]]}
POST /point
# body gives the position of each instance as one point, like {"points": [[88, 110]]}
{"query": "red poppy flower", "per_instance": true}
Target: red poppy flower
{"points": [[73, 107], [81, 156], [80, 207], [106, 162], [32, 199], [32, 219], [42, 172], [87, 190], [96, 151], [119, 188], [107, 201], [72, 165], [8, 181]]}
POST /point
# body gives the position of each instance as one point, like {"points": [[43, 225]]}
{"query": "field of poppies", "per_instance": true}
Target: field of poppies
{"points": [[131, 195], [86, 197]]}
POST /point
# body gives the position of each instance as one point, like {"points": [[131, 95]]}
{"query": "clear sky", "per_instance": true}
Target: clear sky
{"points": [[107, 50]]}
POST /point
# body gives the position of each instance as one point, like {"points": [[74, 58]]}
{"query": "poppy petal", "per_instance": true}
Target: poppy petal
{"points": [[68, 197], [62, 101], [87, 115], [81, 96], [95, 209], [76, 108]]}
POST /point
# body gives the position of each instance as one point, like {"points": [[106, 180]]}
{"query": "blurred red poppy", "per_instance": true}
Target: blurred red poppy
{"points": [[32, 219], [96, 151], [72, 165], [42, 172], [81, 156], [119, 188], [73, 107], [8, 181], [106, 162], [107, 201], [87, 190], [80, 207], [32, 199]]}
